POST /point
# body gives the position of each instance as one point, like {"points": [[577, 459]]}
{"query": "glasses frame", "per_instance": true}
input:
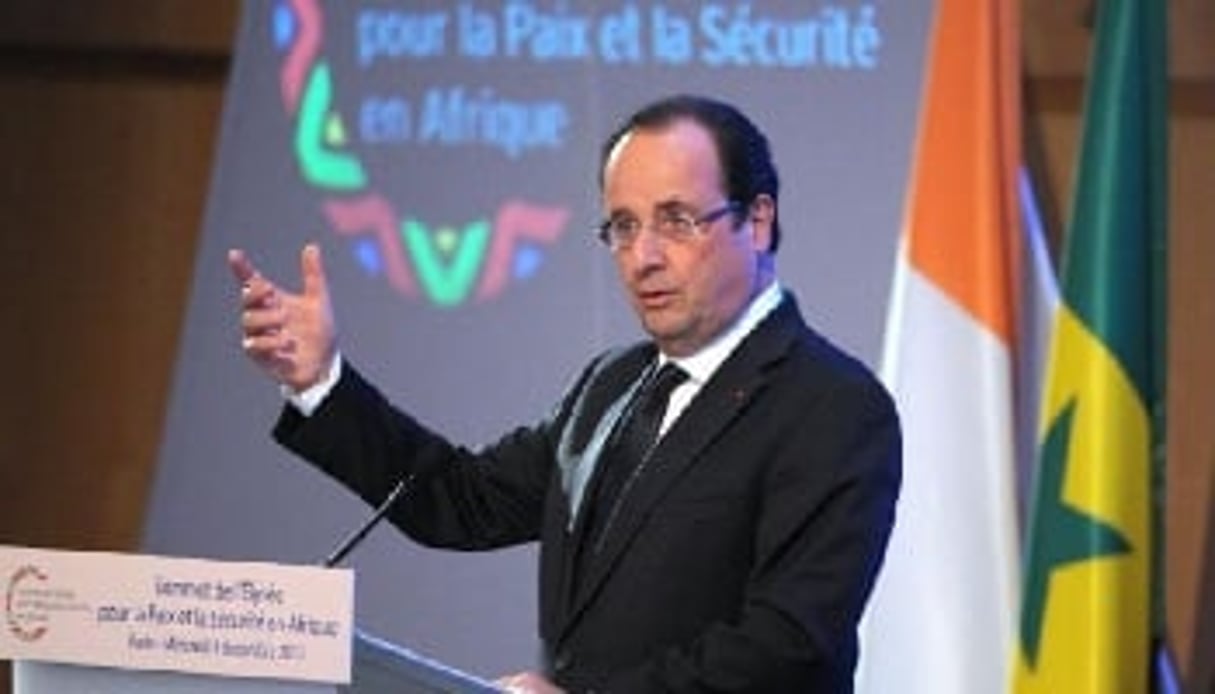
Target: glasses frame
{"points": [[682, 226]]}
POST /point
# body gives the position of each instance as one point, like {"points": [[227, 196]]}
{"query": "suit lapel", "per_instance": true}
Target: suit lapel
{"points": [[720, 401], [561, 542]]}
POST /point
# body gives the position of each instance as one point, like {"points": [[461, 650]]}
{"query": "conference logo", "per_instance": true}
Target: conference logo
{"points": [[24, 612], [447, 263]]}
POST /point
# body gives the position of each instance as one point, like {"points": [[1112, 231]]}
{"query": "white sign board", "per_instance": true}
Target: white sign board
{"points": [[239, 619]]}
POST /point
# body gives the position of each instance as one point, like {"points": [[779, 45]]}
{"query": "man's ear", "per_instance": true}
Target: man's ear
{"points": [[762, 215]]}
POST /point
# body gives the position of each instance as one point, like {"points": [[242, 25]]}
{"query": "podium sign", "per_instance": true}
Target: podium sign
{"points": [[238, 619]]}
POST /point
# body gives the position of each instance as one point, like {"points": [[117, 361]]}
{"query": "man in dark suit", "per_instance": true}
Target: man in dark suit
{"points": [[733, 548]]}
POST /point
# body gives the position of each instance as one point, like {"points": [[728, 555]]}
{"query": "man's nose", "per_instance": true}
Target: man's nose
{"points": [[648, 248]]}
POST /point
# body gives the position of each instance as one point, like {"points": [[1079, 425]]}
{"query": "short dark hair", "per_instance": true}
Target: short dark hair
{"points": [[742, 149]]}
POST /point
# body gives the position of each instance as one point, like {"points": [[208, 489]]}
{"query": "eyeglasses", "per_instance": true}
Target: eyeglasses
{"points": [[676, 225]]}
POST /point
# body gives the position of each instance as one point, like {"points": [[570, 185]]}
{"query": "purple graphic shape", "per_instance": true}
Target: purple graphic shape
{"points": [[295, 67], [517, 221], [372, 214]]}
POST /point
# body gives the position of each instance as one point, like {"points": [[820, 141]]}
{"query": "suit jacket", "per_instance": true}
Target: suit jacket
{"points": [[740, 560]]}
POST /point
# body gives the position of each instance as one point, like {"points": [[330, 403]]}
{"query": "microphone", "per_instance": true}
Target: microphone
{"points": [[356, 538]]}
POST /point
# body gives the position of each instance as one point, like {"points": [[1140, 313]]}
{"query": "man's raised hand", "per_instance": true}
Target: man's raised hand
{"points": [[292, 337]]}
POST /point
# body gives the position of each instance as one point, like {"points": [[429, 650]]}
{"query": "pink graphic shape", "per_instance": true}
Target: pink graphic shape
{"points": [[375, 215], [303, 52], [517, 221]]}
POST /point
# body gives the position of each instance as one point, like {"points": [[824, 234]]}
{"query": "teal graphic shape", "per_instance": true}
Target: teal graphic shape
{"points": [[447, 262]]}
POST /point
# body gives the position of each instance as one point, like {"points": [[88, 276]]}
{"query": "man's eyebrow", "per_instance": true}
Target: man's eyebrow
{"points": [[618, 212], [674, 203]]}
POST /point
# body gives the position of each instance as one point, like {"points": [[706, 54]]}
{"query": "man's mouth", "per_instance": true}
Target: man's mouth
{"points": [[654, 298]]}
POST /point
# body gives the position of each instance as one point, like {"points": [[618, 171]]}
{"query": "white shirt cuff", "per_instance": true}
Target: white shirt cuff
{"points": [[307, 400]]}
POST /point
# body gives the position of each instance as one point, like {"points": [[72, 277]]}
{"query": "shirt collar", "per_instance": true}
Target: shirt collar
{"points": [[701, 365]]}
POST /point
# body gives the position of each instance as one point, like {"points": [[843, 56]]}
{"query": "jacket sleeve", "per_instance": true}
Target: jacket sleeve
{"points": [[455, 497]]}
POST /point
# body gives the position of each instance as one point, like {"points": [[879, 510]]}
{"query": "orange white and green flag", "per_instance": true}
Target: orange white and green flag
{"points": [[942, 619], [1087, 602]]}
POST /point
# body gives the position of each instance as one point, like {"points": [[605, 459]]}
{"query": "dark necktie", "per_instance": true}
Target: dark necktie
{"points": [[629, 448]]}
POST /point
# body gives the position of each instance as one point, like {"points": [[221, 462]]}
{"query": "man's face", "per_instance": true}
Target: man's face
{"points": [[687, 291]]}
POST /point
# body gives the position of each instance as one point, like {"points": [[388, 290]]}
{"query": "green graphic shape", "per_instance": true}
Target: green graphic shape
{"points": [[335, 132], [1061, 535], [447, 261], [446, 241], [322, 166]]}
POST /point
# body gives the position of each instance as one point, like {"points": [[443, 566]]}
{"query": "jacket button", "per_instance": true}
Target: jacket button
{"points": [[563, 661]]}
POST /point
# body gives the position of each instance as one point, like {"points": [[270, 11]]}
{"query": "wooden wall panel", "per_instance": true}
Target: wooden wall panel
{"points": [[1057, 34], [102, 192], [147, 26], [1190, 544]]}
